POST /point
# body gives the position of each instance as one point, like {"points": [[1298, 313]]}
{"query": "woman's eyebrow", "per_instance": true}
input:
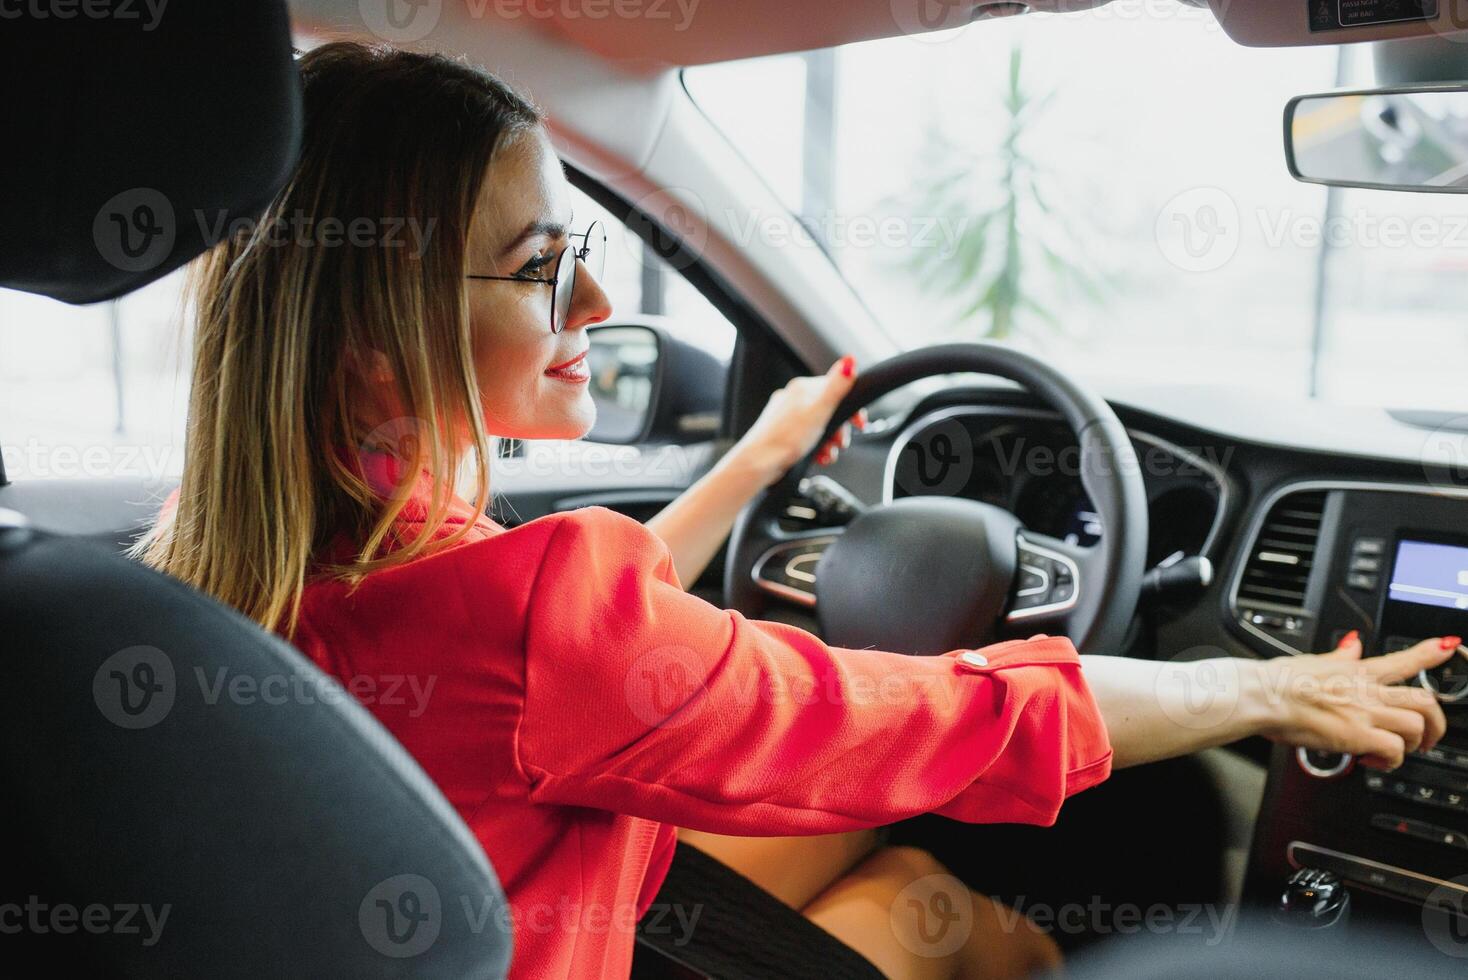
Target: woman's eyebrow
{"points": [[551, 229]]}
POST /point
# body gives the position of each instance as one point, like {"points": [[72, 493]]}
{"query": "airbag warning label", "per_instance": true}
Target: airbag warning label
{"points": [[1332, 15]]}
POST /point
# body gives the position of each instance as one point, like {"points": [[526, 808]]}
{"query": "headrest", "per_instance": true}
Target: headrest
{"points": [[135, 134]]}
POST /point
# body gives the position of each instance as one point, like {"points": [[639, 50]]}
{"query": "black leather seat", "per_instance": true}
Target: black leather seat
{"points": [[220, 806], [184, 794]]}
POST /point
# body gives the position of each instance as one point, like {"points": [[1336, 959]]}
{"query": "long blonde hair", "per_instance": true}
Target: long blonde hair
{"points": [[286, 306]]}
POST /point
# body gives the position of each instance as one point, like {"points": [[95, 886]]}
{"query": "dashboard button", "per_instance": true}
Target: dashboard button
{"points": [[1420, 829], [1369, 546], [1446, 799], [1363, 581], [1457, 758], [1033, 580], [1449, 681]]}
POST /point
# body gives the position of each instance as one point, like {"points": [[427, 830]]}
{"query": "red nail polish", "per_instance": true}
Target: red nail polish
{"points": [[1450, 642], [1350, 637], [848, 365]]}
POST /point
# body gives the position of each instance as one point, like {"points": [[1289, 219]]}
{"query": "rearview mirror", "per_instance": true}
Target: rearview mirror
{"points": [[1406, 139], [651, 387]]}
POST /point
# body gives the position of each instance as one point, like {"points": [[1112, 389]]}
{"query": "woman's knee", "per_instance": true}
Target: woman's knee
{"points": [[935, 916]]}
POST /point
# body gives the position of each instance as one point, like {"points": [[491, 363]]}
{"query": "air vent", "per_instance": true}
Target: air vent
{"points": [[1278, 570]]}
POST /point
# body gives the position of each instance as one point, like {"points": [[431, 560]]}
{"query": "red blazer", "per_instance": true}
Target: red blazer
{"points": [[575, 705]]}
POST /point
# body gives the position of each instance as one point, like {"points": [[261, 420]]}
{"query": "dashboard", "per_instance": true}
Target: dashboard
{"points": [[1027, 462], [1307, 543], [1390, 560]]}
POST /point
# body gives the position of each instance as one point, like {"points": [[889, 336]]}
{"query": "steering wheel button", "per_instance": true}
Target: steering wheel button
{"points": [[1033, 580]]}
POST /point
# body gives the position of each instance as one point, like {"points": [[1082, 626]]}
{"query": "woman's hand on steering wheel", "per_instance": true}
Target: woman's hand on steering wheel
{"points": [[795, 416]]}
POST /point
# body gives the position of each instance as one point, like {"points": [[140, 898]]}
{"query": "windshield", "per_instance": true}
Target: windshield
{"points": [[1108, 188]]}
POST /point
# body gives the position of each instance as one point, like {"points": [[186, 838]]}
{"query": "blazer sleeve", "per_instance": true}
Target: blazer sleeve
{"points": [[643, 699]]}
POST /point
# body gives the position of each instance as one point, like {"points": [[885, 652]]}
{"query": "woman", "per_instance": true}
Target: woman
{"points": [[579, 705]]}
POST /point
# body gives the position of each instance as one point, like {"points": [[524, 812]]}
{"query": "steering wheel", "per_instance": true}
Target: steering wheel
{"points": [[927, 574]]}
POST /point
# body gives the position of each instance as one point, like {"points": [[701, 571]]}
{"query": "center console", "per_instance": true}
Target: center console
{"points": [[1390, 561]]}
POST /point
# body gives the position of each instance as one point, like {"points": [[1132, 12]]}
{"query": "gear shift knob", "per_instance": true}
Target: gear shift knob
{"points": [[1313, 899]]}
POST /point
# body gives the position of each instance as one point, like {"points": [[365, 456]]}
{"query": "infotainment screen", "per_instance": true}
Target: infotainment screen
{"points": [[1430, 574]]}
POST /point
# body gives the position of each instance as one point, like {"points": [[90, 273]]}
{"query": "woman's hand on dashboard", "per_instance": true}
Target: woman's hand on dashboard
{"points": [[1335, 702], [1340, 702]]}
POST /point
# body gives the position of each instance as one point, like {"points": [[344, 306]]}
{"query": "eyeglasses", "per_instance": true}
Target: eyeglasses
{"points": [[593, 253]]}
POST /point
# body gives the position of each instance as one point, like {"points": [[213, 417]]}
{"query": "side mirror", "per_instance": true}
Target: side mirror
{"points": [[651, 387], [1412, 138]]}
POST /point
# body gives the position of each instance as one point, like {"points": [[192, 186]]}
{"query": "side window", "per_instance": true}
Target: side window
{"points": [[90, 392], [102, 391], [638, 281]]}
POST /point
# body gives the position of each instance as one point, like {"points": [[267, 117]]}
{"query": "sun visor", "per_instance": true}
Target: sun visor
{"points": [[1282, 23], [135, 133]]}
